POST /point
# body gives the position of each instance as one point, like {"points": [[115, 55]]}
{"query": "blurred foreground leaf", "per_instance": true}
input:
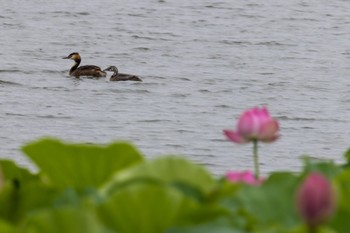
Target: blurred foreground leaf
{"points": [[145, 208], [6, 227], [326, 167], [273, 203], [12, 172], [173, 170], [80, 165], [217, 226], [340, 221], [347, 157], [67, 220], [22, 192]]}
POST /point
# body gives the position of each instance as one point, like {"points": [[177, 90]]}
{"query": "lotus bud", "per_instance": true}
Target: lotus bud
{"points": [[315, 200]]}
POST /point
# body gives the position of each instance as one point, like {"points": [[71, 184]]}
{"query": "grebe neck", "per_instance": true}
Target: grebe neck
{"points": [[115, 70], [75, 66]]}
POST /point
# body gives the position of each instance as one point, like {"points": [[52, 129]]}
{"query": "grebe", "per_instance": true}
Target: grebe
{"points": [[121, 77], [89, 70]]}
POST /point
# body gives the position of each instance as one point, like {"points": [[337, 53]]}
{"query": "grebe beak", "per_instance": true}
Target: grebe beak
{"points": [[65, 57]]}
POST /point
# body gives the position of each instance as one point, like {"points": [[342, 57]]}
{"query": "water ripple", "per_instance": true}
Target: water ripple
{"points": [[312, 119], [9, 83], [201, 63]]}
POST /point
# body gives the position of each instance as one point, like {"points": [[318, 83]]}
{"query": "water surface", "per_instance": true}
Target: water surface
{"points": [[202, 63]]}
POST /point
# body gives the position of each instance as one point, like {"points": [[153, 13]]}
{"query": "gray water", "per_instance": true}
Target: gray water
{"points": [[202, 63]]}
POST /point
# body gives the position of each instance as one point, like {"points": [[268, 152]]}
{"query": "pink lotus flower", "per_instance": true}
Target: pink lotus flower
{"points": [[254, 125], [315, 200], [243, 177]]}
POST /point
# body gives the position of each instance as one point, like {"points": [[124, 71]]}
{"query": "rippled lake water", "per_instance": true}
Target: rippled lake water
{"points": [[202, 63]]}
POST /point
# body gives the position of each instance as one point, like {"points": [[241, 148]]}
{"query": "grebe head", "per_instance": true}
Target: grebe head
{"points": [[112, 68], [73, 56]]}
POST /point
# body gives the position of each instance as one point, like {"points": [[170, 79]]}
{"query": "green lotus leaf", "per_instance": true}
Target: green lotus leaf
{"points": [[22, 192], [347, 155], [271, 204], [340, 221], [185, 175], [326, 167], [12, 172], [6, 227], [221, 225], [145, 208], [67, 220], [80, 165]]}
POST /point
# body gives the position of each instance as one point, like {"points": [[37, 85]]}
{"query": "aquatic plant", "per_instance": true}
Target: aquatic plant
{"points": [[254, 125], [315, 200], [114, 189]]}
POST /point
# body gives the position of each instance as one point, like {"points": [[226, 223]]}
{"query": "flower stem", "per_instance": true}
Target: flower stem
{"points": [[256, 159]]}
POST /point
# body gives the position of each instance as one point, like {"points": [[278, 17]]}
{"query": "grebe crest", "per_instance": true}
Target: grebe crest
{"points": [[116, 76], [88, 70]]}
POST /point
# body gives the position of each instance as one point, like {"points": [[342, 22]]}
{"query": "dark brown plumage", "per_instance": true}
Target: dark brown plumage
{"points": [[88, 70]]}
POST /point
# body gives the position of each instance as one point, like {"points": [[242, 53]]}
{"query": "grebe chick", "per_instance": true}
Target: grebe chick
{"points": [[89, 70], [121, 77]]}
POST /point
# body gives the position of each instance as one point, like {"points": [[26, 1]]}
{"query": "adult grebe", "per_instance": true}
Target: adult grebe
{"points": [[121, 77], [89, 70]]}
